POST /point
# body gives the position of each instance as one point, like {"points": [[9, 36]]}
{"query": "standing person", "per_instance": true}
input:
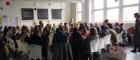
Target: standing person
{"points": [[66, 28], [1, 47], [137, 34], [41, 25], [36, 37], [35, 41], [61, 50], [117, 27], [92, 36], [78, 45], [104, 28], [53, 28], [45, 37]]}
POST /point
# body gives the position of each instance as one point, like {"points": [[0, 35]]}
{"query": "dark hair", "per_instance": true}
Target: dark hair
{"points": [[81, 26], [86, 26], [36, 30], [110, 26], [65, 23], [93, 31], [122, 24], [136, 15]]}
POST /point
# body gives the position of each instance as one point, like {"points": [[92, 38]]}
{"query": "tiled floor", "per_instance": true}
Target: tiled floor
{"points": [[132, 56]]}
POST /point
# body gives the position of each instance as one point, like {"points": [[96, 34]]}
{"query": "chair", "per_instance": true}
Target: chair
{"points": [[101, 43], [94, 45], [35, 52], [119, 38], [107, 39]]}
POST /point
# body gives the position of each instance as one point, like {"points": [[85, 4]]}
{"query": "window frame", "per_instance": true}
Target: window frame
{"points": [[120, 7]]}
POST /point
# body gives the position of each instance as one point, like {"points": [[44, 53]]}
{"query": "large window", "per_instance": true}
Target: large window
{"points": [[98, 4], [129, 2], [79, 12], [98, 16], [115, 10], [128, 13], [113, 15], [113, 3]]}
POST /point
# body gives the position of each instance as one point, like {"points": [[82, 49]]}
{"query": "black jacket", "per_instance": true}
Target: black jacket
{"points": [[35, 40]]}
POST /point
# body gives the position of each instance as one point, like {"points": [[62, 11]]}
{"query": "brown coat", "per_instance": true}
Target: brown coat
{"points": [[113, 36]]}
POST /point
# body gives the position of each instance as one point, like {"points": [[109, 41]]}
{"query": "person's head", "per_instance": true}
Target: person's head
{"points": [[18, 28], [60, 24], [75, 30], [40, 23], [96, 25], [71, 25], [14, 31], [116, 24], [65, 24], [122, 25], [106, 21], [86, 26], [136, 15], [54, 25], [91, 25], [24, 29], [76, 25], [93, 31], [46, 30], [81, 27], [36, 30], [61, 28], [110, 26]]}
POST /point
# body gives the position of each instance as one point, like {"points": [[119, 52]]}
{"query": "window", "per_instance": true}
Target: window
{"points": [[98, 4], [98, 16], [113, 3], [128, 13], [113, 15], [114, 10], [79, 12], [129, 2]]}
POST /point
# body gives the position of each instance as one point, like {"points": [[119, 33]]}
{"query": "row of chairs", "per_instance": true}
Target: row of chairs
{"points": [[98, 44]]}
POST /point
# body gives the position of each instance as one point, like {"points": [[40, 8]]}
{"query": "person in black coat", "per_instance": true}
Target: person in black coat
{"points": [[60, 36], [78, 45], [60, 48], [36, 37], [45, 38], [1, 47], [137, 33]]}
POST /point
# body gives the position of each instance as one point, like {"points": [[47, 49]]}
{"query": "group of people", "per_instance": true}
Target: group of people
{"points": [[54, 39], [65, 41]]}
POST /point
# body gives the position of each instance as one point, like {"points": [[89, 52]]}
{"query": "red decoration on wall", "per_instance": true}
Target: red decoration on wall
{"points": [[7, 2]]}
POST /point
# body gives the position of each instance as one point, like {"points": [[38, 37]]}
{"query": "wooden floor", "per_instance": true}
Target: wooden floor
{"points": [[132, 56]]}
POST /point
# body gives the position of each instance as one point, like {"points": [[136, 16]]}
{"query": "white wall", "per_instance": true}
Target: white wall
{"points": [[73, 11], [15, 11]]}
